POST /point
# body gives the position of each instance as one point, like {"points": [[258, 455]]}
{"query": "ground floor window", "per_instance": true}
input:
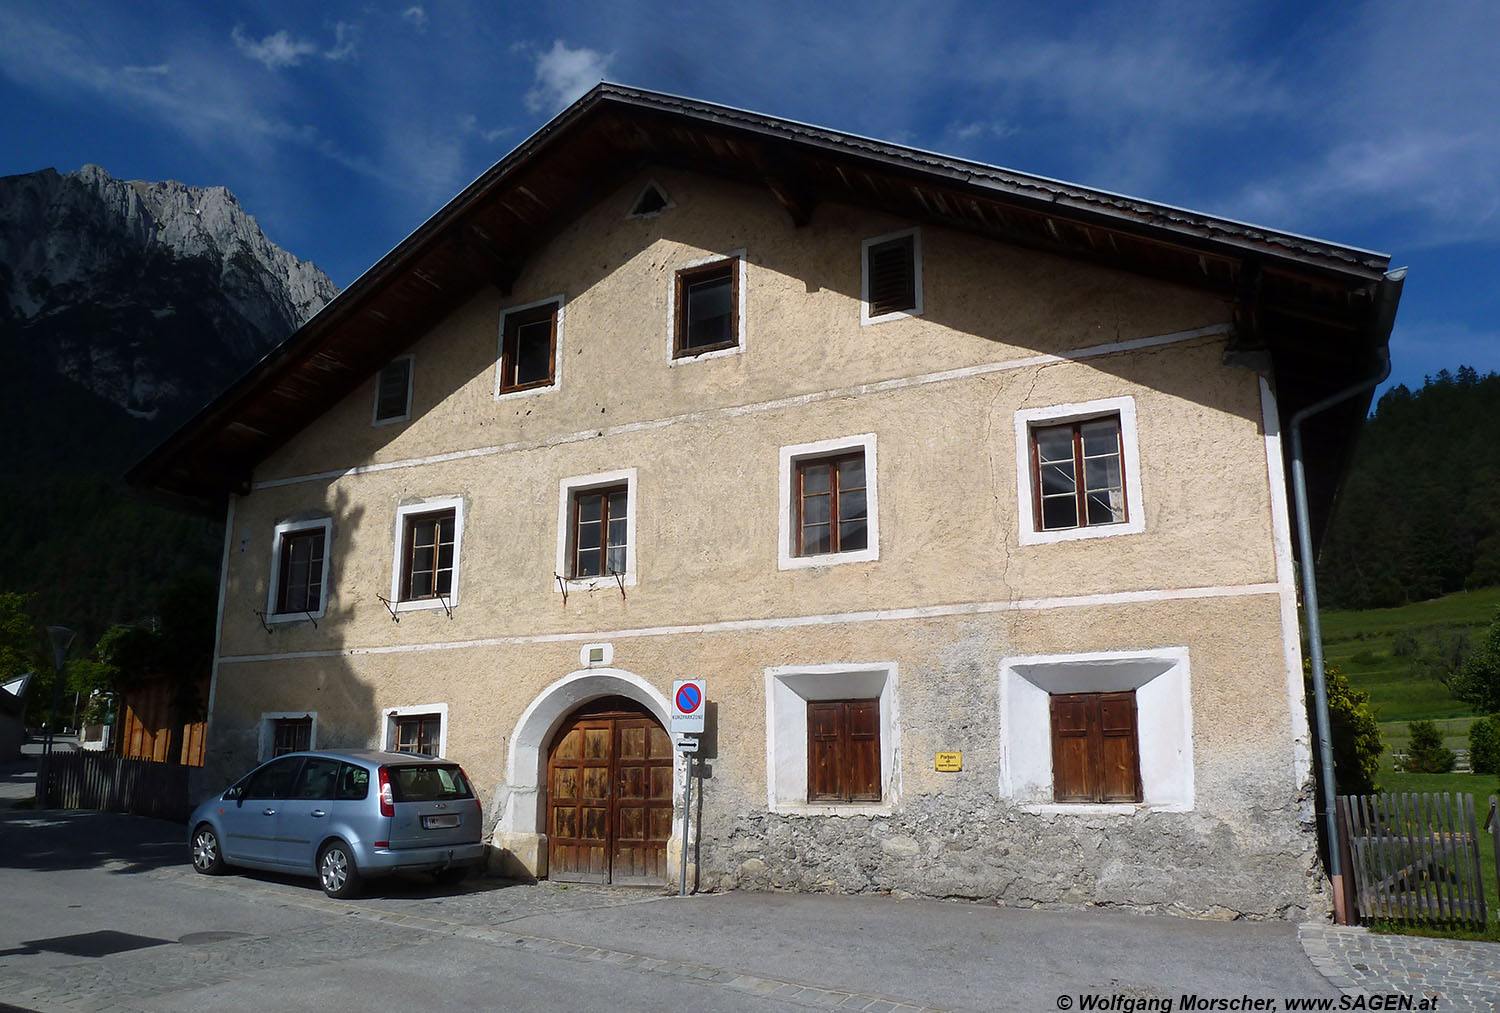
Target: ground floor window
{"points": [[419, 733], [843, 751], [1095, 755], [833, 738], [291, 735]]}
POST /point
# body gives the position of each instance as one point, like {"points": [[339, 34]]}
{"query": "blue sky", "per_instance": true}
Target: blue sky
{"points": [[342, 126]]}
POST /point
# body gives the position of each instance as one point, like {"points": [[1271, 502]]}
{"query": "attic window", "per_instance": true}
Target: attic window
{"points": [[393, 392], [652, 201], [892, 272]]}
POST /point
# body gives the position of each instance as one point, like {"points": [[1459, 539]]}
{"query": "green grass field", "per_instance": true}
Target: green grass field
{"points": [[1363, 646]]}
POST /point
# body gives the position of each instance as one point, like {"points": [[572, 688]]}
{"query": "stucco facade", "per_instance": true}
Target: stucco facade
{"points": [[956, 619]]}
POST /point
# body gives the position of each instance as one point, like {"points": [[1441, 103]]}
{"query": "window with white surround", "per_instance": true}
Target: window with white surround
{"points": [[299, 570], [596, 529], [393, 391], [1113, 710], [530, 341], [283, 732], [1078, 471], [422, 729], [829, 508], [425, 570], [891, 277], [844, 717], [706, 317]]}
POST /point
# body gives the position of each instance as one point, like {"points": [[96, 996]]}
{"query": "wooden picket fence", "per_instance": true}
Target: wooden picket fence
{"points": [[87, 780], [1414, 856]]}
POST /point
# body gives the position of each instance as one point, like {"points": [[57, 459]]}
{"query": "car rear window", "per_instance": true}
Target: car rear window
{"points": [[428, 782]]}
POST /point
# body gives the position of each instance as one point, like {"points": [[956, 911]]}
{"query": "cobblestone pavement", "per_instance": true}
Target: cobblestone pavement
{"points": [[1462, 975]]}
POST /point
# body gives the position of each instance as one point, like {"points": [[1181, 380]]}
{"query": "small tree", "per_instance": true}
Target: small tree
{"points": [[1478, 682], [1484, 745], [1426, 754], [1355, 732]]}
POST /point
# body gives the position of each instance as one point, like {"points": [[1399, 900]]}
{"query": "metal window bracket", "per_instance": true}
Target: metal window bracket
{"points": [[262, 617], [562, 585], [447, 605], [389, 606], [620, 580]]}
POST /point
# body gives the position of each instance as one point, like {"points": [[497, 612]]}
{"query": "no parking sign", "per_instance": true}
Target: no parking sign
{"points": [[689, 701]]}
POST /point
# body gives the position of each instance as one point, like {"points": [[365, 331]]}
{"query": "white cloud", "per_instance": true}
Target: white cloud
{"points": [[563, 74], [345, 40], [470, 124], [416, 17], [276, 50]]}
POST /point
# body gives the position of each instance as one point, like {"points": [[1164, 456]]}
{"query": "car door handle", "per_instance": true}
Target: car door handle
{"points": [[268, 812], [319, 812]]}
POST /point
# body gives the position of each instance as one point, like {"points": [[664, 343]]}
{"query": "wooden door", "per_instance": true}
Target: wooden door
{"points": [[609, 805]]}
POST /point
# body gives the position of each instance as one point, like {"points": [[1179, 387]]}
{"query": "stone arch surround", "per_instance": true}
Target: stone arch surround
{"points": [[519, 839]]}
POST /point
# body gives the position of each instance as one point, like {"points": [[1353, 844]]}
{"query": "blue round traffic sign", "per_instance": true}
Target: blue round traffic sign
{"points": [[688, 698]]}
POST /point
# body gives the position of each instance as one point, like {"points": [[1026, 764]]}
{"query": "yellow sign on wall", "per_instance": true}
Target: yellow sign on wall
{"points": [[948, 762]]}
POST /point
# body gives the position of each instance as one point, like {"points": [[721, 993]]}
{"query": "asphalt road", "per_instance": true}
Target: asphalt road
{"points": [[102, 912]]}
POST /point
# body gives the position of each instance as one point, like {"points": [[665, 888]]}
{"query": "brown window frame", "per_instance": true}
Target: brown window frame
{"points": [[1080, 488], [510, 342], [904, 300], [291, 735], [575, 551], [1104, 731], [409, 547], [844, 781], [729, 267], [403, 722], [799, 494], [404, 361], [284, 606]]}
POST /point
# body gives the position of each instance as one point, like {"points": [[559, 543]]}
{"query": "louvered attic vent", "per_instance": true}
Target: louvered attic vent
{"points": [[892, 276], [652, 201]]}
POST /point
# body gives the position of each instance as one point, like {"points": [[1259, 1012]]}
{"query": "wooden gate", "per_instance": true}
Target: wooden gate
{"points": [[609, 803], [1415, 856]]}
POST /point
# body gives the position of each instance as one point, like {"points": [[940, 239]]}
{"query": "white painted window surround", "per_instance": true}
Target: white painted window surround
{"points": [[1029, 418], [788, 690], [390, 714], [567, 488], [266, 737], [864, 277], [787, 558], [411, 374], [739, 346], [291, 528], [1164, 721], [557, 349], [426, 506]]}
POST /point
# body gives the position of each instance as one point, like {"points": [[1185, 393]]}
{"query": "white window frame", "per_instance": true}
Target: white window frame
{"points": [[427, 506], [788, 690], [787, 558], [411, 378], [557, 347], [567, 488], [390, 714], [1162, 683], [865, 319], [289, 528], [266, 737], [739, 347], [1033, 418]]}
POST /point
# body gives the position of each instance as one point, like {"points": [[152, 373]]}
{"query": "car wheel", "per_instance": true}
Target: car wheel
{"points": [[451, 875], [207, 856], [337, 871]]}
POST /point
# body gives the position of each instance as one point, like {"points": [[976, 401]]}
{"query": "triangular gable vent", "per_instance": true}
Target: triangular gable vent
{"points": [[652, 201]]}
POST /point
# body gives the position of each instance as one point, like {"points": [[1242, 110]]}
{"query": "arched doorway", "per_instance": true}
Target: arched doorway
{"points": [[609, 795]]}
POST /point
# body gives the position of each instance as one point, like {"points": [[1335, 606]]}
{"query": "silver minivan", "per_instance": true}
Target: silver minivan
{"points": [[343, 817]]}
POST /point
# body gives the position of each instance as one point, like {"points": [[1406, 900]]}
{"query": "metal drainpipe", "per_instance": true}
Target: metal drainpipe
{"points": [[1385, 317]]}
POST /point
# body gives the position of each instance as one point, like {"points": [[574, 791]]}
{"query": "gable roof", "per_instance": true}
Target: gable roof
{"points": [[1320, 311]]}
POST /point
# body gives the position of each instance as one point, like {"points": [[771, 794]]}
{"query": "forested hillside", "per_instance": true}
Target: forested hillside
{"points": [[1419, 514]]}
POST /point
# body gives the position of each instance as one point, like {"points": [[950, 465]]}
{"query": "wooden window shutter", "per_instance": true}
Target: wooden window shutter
{"points": [[863, 763], [824, 764], [1095, 748], [892, 276]]}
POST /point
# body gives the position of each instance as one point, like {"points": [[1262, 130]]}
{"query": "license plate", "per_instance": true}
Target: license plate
{"points": [[440, 822]]}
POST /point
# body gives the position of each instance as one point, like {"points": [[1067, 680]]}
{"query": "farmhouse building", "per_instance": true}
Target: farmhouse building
{"points": [[902, 454]]}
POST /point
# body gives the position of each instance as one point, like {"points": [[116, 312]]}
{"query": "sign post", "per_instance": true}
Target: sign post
{"points": [[689, 698]]}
